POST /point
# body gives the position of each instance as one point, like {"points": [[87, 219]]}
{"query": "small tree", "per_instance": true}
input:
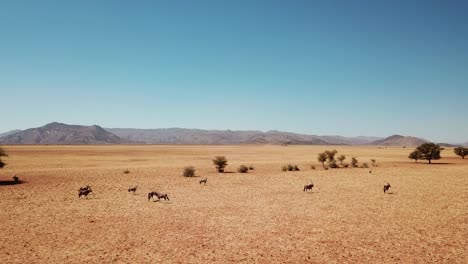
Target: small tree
{"points": [[461, 151], [2, 154], [189, 171], [243, 169], [416, 155], [322, 157], [354, 162], [220, 162], [429, 151], [341, 158]]}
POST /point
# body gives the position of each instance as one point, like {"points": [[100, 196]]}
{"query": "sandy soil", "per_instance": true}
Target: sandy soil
{"points": [[259, 217]]}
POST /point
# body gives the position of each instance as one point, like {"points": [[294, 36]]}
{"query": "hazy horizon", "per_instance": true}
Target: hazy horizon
{"points": [[225, 129], [360, 68]]}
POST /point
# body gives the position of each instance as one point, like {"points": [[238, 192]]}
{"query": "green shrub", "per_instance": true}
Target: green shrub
{"points": [[332, 164], [220, 162], [243, 169], [290, 167], [189, 171]]}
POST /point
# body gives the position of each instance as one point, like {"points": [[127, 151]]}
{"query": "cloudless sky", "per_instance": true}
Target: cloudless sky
{"points": [[373, 68]]}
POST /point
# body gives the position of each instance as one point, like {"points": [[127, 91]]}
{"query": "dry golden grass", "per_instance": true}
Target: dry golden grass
{"points": [[259, 217]]}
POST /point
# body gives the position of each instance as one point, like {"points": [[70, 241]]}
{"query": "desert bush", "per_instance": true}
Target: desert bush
{"points": [[332, 164], [373, 162], [2, 154], [345, 165], [220, 162], [331, 155], [365, 165], [312, 167], [251, 167], [354, 162], [290, 167], [126, 171], [243, 169], [189, 171]]}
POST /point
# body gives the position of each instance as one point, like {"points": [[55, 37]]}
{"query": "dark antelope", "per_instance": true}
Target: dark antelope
{"points": [[87, 187], [204, 180], [386, 187], [158, 195], [133, 189], [84, 191], [308, 187]]}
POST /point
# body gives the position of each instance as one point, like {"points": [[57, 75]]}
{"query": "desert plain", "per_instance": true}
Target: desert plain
{"points": [[262, 216]]}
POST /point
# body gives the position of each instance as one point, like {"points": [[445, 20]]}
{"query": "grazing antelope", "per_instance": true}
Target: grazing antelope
{"points": [[133, 189], [84, 191], [386, 187], [308, 187], [84, 188], [204, 180], [158, 195]]}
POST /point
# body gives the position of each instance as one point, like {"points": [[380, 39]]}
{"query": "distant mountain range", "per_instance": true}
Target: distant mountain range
{"points": [[60, 134], [199, 136]]}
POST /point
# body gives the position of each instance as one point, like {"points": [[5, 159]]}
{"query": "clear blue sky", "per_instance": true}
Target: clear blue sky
{"points": [[318, 67]]}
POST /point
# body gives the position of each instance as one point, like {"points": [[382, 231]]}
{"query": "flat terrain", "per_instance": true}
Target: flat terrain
{"points": [[259, 217]]}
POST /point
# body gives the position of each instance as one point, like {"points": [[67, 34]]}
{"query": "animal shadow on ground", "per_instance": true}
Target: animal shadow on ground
{"points": [[390, 193], [11, 182]]}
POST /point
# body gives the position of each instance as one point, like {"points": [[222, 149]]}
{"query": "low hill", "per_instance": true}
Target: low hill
{"points": [[398, 140], [63, 134]]}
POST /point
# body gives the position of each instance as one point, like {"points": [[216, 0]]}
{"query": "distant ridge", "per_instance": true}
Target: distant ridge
{"points": [[63, 134], [398, 140], [209, 137]]}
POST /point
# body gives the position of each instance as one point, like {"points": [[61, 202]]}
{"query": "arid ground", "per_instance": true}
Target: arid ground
{"points": [[259, 217]]}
